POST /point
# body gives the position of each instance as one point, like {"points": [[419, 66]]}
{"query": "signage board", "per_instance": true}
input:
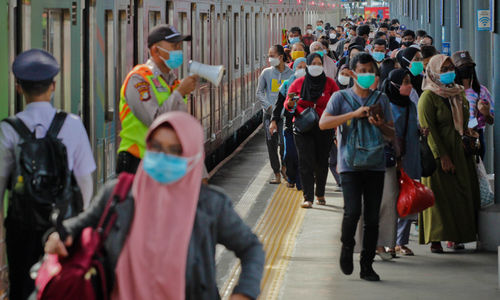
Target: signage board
{"points": [[483, 20]]}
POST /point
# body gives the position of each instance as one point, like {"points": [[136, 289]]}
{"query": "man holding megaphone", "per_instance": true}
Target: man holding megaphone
{"points": [[149, 90]]}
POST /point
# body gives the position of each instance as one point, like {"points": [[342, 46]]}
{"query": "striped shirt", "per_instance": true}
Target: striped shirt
{"points": [[473, 98]]}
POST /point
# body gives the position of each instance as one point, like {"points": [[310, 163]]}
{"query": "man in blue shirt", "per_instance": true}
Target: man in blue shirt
{"points": [[365, 183]]}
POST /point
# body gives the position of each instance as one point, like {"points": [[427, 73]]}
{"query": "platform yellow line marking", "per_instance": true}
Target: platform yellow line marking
{"points": [[277, 230]]}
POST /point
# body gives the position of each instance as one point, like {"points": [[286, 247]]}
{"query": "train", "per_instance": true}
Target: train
{"points": [[97, 42]]}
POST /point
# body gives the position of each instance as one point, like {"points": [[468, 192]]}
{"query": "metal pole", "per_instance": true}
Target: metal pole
{"points": [[496, 93], [468, 27], [454, 32], [446, 27]]}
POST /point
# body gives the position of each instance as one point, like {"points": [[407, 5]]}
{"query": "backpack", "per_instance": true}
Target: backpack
{"points": [[42, 187], [83, 275], [365, 146]]}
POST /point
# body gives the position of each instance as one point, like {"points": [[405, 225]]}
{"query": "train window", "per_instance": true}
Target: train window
{"points": [[170, 12], [247, 38], [109, 102], [154, 19], [183, 27], [204, 51], [56, 30], [236, 39], [122, 45]]}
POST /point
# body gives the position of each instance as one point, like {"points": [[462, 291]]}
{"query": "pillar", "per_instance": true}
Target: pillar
{"points": [[454, 30]]}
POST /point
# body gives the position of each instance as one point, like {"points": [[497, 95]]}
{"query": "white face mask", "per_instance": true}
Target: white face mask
{"points": [[309, 31], [300, 72], [398, 39], [315, 71], [332, 36], [274, 62], [344, 80]]}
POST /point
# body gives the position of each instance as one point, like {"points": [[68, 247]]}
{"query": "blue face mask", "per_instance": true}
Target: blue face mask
{"points": [[319, 28], [294, 40], [417, 67], [346, 52], [378, 56], [320, 52], [176, 58], [166, 168], [365, 80], [447, 78]]}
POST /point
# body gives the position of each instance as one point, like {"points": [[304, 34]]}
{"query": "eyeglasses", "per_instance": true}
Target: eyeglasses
{"points": [[173, 150]]}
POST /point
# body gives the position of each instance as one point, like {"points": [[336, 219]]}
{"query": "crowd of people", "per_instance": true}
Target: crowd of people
{"points": [[357, 98], [360, 98]]}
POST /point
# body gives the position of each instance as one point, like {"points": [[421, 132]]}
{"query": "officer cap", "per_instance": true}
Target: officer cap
{"points": [[35, 65], [166, 33]]}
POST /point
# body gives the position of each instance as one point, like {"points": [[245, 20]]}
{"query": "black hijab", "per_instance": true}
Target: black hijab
{"points": [[313, 87], [396, 76], [404, 58], [386, 67]]}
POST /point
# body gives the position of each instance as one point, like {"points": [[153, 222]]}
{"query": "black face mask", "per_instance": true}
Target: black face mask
{"points": [[465, 72], [407, 44], [338, 35]]}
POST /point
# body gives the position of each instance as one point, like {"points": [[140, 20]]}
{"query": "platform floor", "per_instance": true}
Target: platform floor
{"points": [[303, 246]]}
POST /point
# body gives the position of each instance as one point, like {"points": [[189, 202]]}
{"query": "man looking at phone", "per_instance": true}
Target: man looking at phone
{"points": [[346, 109]]}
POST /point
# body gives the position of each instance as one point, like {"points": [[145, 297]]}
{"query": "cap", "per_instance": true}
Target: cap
{"points": [[35, 65], [166, 33], [462, 58], [402, 27]]}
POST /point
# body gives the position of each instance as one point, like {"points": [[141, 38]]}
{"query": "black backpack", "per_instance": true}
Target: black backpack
{"points": [[43, 189]]}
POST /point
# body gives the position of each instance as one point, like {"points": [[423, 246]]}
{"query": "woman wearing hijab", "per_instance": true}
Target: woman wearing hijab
{"points": [[313, 147], [386, 67], [170, 224], [290, 158], [411, 59], [443, 110], [404, 111]]}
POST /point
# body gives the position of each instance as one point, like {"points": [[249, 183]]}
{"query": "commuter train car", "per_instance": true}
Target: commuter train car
{"points": [[97, 42]]}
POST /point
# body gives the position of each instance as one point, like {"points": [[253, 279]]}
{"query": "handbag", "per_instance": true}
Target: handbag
{"points": [[82, 275], [486, 193], [470, 141], [306, 120], [414, 197], [427, 161]]}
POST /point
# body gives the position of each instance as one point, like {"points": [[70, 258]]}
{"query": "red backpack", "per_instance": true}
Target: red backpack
{"points": [[82, 275]]}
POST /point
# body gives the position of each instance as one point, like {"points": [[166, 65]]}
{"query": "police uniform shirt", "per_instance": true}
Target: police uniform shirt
{"points": [[142, 101], [38, 116]]}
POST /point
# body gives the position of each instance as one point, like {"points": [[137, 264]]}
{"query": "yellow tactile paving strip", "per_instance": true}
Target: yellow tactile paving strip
{"points": [[277, 231]]}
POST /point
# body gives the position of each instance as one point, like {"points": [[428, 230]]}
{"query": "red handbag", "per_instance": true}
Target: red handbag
{"points": [[82, 275], [414, 197]]}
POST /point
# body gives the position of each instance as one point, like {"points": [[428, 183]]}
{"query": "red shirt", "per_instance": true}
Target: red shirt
{"points": [[330, 88]]}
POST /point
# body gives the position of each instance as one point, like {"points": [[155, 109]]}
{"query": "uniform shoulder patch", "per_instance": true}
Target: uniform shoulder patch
{"points": [[144, 90]]}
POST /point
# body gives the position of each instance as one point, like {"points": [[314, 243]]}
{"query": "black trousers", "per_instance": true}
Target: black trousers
{"points": [[362, 188], [24, 249], [126, 162], [313, 148]]}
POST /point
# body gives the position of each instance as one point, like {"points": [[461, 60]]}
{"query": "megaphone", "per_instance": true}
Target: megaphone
{"points": [[213, 74]]}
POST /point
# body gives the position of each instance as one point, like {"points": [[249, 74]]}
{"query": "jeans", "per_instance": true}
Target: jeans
{"points": [[366, 185], [404, 226], [272, 142], [313, 148], [291, 159]]}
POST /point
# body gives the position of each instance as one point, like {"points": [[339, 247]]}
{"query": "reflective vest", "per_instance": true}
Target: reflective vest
{"points": [[133, 132]]}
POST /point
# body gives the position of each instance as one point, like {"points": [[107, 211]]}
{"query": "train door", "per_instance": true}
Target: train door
{"points": [[216, 59], [227, 81], [200, 18], [4, 61], [249, 40], [237, 67], [102, 95]]}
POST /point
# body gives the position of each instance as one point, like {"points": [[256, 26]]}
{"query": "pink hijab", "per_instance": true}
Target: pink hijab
{"points": [[152, 264]]}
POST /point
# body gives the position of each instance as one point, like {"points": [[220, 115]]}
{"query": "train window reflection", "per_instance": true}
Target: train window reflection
{"points": [[236, 39], [56, 30], [109, 57]]}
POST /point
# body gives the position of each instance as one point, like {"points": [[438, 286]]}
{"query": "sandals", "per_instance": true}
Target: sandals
{"points": [[455, 246], [392, 252], [283, 173], [276, 180], [307, 204], [403, 250], [321, 201]]}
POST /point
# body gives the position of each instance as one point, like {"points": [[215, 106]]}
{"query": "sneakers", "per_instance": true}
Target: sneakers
{"points": [[346, 264], [367, 273]]}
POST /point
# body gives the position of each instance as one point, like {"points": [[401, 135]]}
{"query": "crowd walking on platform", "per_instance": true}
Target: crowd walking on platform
{"points": [[369, 100]]}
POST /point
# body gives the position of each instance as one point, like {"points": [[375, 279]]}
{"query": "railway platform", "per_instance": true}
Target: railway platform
{"points": [[303, 246]]}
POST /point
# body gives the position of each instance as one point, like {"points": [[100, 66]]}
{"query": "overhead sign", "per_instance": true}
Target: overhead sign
{"points": [[374, 12], [483, 20], [446, 48]]}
